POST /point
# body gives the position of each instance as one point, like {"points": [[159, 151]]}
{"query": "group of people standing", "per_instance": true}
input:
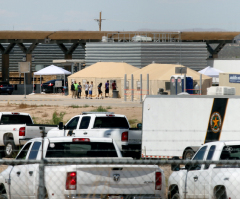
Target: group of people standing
{"points": [[76, 89]]}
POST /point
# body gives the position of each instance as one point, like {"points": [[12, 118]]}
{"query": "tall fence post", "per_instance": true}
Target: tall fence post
{"points": [[147, 84], [140, 87], [200, 84], [184, 90], [125, 87], [132, 86], [41, 189]]}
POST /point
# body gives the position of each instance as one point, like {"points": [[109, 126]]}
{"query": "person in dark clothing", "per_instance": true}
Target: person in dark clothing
{"points": [[107, 88], [114, 86], [79, 90], [72, 89], [100, 91]]}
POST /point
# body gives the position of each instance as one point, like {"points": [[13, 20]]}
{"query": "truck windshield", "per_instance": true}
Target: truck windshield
{"points": [[111, 122], [231, 152], [16, 119], [80, 149]]}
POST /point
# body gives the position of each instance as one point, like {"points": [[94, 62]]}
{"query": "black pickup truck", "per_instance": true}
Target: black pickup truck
{"points": [[5, 87]]}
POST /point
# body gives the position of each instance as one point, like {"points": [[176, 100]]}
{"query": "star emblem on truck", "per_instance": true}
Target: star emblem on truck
{"points": [[216, 122]]}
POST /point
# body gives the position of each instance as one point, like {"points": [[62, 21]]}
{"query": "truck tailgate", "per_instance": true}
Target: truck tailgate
{"points": [[33, 131], [134, 136], [116, 179]]}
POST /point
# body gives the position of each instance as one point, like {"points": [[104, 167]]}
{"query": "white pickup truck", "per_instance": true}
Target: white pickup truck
{"points": [[210, 181], [77, 181], [106, 124], [16, 129]]}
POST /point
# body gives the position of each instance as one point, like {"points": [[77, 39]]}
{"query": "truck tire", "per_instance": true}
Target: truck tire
{"points": [[220, 193], [188, 154], [9, 149], [176, 196]]}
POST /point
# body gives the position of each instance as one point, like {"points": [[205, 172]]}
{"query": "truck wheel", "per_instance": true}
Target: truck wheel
{"points": [[9, 149], [3, 196], [220, 193], [176, 196], [10, 93], [188, 154]]}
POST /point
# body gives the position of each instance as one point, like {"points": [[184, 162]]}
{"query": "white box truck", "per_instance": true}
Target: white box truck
{"points": [[179, 125]]}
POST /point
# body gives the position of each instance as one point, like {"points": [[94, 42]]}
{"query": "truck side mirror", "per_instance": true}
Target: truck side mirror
{"points": [[60, 125], [174, 166], [139, 126]]}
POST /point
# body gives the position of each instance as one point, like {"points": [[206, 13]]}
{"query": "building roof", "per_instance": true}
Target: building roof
{"points": [[105, 70], [97, 35], [164, 72]]}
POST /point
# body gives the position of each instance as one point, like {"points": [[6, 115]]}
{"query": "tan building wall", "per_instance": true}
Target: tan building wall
{"points": [[224, 81]]}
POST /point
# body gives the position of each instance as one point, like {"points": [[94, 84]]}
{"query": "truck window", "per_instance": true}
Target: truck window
{"points": [[73, 123], [16, 119], [34, 151], [22, 155], [198, 156], [210, 155], [211, 152], [230, 153], [80, 149], [85, 122], [111, 122], [200, 153]]}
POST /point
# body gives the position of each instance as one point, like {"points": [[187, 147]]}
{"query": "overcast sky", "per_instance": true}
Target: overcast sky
{"points": [[127, 15]]}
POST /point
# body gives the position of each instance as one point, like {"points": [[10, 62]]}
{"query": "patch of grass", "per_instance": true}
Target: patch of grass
{"points": [[108, 107], [85, 106], [35, 120], [133, 123], [22, 105], [74, 106], [44, 114], [57, 117], [99, 109]]}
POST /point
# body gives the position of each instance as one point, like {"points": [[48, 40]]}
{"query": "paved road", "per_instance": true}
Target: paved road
{"points": [[61, 100]]}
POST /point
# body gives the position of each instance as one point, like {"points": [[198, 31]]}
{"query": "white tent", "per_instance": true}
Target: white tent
{"points": [[51, 70], [211, 72]]}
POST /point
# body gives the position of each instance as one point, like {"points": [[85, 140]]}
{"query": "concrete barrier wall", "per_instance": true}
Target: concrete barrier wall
{"points": [[19, 89]]}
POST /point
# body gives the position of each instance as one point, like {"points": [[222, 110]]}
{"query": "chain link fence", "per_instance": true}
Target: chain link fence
{"points": [[119, 178]]}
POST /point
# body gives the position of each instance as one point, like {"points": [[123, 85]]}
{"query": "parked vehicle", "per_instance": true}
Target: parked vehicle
{"points": [[80, 180], [16, 129], [209, 180], [179, 125], [5, 87], [49, 87], [107, 124]]}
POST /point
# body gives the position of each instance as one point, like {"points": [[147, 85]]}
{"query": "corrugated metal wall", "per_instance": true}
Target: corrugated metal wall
{"points": [[192, 55], [43, 54]]}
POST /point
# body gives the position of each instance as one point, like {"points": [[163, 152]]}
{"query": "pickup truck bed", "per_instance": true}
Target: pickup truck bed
{"points": [[115, 181]]}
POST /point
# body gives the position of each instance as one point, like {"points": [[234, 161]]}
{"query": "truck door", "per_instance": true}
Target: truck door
{"points": [[83, 127], [19, 176], [204, 175], [71, 126], [193, 174], [33, 170]]}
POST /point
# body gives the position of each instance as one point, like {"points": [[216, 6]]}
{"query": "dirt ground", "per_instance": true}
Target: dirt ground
{"points": [[42, 114]]}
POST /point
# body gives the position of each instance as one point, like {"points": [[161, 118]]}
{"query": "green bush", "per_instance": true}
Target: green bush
{"points": [[99, 109], [57, 117], [74, 106]]}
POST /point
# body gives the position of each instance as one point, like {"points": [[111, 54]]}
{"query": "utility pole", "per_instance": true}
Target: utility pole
{"points": [[100, 21]]}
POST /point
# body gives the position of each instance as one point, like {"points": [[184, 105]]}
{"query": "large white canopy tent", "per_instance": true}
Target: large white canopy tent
{"points": [[51, 70], [211, 72]]}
